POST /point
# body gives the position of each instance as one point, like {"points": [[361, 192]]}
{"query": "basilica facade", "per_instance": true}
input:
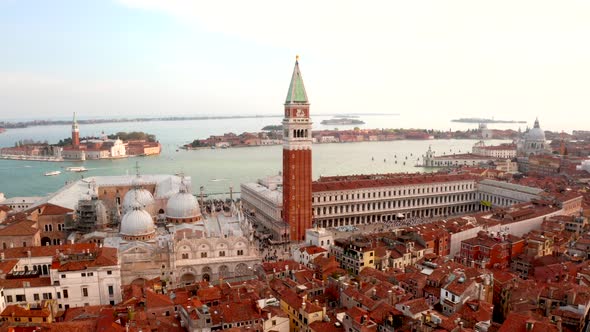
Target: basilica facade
{"points": [[160, 229]]}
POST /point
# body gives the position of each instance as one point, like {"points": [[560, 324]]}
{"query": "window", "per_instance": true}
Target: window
{"points": [[203, 255], [21, 298], [111, 290], [83, 274], [9, 298], [63, 276], [36, 297], [90, 274], [185, 256], [109, 272], [240, 252], [84, 291], [65, 294], [58, 295], [222, 254]]}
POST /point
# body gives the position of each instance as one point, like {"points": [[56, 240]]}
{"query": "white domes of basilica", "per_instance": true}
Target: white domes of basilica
{"points": [[137, 224], [138, 195], [183, 207]]}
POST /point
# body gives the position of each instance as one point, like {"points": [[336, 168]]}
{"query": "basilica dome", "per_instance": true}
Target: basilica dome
{"points": [[183, 207], [138, 195], [536, 133], [137, 224]]}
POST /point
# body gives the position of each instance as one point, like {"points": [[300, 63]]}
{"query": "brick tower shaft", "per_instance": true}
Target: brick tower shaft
{"points": [[297, 210]]}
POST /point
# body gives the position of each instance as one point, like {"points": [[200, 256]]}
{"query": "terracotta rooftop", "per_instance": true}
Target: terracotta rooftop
{"points": [[47, 251], [312, 250], [350, 182], [156, 300], [20, 228], [13, 310], [234, 312], [20, 283], [517, 322], [416, 306], [53, 210], [101, 257]]}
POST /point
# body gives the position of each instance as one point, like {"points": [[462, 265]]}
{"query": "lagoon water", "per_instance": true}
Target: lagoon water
{"points": [[219, 169]]}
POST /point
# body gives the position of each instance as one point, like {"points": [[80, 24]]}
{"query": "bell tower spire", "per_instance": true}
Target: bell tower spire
{"points": [[297, 210], [75, 132]]}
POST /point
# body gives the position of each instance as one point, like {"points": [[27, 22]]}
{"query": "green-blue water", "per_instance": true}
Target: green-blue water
{"points": [[216, 170]]}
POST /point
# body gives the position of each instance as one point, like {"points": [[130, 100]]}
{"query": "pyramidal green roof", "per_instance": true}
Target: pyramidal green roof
{"points": [[296, 92]]}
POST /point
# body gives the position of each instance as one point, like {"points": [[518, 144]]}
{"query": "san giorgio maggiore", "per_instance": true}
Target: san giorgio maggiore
{"points": [[159, 228]]}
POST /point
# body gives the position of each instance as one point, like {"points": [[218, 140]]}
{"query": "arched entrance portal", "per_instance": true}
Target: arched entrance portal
{"points": [[206, 273], [187, 279], [45, 241], [139, 282]]}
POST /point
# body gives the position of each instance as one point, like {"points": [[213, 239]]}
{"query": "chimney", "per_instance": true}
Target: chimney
{"points": [[529, 325], [303, 305], [558, 323], [2, 256], [390, 296], [29, 253]]}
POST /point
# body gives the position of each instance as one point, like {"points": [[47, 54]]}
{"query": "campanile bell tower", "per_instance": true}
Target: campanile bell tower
{"points": [[75, 132], [297, 211]]}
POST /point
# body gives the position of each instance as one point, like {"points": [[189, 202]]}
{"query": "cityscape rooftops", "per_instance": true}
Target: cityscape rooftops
{"points": [[47, 251], [350, 182]]}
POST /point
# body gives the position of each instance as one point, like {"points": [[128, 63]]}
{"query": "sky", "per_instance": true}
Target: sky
{"points": [[426, 60]]}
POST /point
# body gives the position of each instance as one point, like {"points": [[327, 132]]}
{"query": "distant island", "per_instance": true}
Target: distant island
{"points": [[273, 128], [342, 121], [481, 120], [25, 124], [119, 145]]}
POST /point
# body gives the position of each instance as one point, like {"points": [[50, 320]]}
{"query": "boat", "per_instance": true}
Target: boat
{"points": [[76, 169], [52, 173]]}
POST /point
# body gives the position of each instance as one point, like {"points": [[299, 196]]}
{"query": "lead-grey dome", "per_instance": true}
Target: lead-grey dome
{"points": [[183, 205], [536, 133], [138, 195], [137, 223]]}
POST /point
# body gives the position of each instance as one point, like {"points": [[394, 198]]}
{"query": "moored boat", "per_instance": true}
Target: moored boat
{"points": [[76, 169], [52, 173]]}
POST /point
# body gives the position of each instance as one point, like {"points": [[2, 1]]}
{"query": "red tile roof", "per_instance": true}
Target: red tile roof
{"points": [[7, 265], [517, 322], [53, 210], [20, 283], [101, 257], [234, 312], [312, 250], [13, 310], [20, 228], [155, 300], [333, 183], [47, 251]]}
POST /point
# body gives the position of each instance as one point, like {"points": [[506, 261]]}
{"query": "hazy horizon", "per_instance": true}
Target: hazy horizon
{"points": [[438, 60]]}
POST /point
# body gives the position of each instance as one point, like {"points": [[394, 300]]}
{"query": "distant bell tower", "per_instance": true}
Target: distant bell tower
{"points": [[75, 132], [297, 211]]}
